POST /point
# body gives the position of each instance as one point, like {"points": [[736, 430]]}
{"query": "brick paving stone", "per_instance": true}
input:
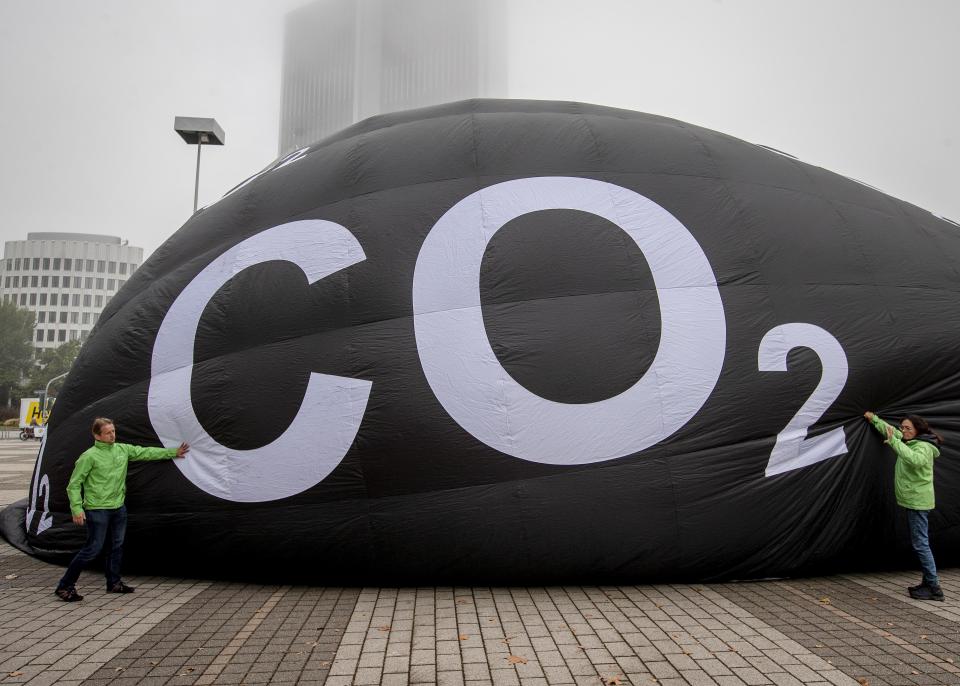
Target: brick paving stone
{"points": [[504, 677], [827, 631], [421, 674], [859, 627]]}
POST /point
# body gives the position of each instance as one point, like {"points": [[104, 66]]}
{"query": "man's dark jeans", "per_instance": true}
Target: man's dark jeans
{"points": [[105, 531], [921, 546]]}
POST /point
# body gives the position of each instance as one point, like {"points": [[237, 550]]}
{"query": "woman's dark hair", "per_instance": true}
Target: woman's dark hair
{"points": [[101, 422], [923, 427]]}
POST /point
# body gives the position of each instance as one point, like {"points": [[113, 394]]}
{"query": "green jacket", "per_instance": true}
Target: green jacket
{"points": [[913, 474], [102, 472]]}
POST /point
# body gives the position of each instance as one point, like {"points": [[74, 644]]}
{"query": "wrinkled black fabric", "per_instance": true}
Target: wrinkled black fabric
{"points": [[572, 313]]}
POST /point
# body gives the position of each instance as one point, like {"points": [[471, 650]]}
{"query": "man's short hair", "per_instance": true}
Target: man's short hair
{"points": [[99, 423]]}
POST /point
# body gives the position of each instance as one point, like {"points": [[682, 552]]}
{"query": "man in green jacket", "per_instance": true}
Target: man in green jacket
{"points": [[101, 473], [916, 447]]}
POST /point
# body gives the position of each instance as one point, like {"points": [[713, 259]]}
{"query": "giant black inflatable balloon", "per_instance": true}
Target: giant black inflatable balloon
{"points": [[510, 341]]}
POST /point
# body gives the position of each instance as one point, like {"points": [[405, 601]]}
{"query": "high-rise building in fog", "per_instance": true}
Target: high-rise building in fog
{"points": [[345, 60]]}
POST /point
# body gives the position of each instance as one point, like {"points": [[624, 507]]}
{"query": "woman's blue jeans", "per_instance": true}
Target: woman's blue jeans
{"points": [[105, 531], [921, 546]]}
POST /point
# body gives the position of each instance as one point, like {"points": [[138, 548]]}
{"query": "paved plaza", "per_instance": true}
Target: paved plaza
{"points": [[839, 630]]}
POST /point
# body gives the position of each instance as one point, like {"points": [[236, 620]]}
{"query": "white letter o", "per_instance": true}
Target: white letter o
{"points": [[484, 399]]}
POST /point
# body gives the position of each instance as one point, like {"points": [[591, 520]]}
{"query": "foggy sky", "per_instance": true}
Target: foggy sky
{"points": [[90, 90]]}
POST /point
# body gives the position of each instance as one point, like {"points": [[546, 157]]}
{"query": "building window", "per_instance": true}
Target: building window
{"points": [[33, 299], [34, 280], [99, 284], [101, 266], [133, 268], [6, 282], [39, 335], [73, 335], [9, 264], [86, 317], [111, 284], [67, 264], [23, 299], [55, 281], [95, 317], [36, 264], [75, 300], [50, 334], [43, 299], [41, 317], [112, 267], [45, 281], [83, 335], [62, 335], [16, 282], [56, 264], [63, 317], [46, 263], [98, 301], [123, 267], [76, 282], [88, 282], [53, 317], [86, 300], [74, 317], [78, 265], [89, 265], [16, 263]]}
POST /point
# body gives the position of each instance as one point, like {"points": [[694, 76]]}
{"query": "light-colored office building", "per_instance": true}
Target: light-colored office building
{"points": [[66, 279], [346, 60]]}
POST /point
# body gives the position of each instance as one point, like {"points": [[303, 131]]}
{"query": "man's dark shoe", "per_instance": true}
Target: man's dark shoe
{"points": [[911, 589], [68, 595], [120, 587], [927, 593]]}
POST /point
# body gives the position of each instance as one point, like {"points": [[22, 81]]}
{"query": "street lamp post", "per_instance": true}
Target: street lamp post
{"points": [[199, 131]]}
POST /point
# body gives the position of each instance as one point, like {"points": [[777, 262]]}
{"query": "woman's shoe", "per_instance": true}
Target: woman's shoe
{"points": [[927, 593]]}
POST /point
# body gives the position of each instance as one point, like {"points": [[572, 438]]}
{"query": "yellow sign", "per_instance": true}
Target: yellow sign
{"points": [[31, 414]]}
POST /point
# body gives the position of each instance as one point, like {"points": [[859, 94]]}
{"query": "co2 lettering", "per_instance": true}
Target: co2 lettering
{"points": [[458, 361]]}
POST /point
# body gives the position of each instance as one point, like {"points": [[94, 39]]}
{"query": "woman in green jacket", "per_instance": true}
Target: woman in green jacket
{"points": [[916, 447]]}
